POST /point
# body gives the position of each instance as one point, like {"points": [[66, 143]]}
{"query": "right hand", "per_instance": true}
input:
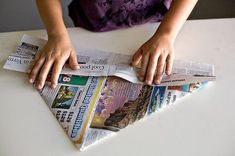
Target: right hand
{"points": [[53, 55]]}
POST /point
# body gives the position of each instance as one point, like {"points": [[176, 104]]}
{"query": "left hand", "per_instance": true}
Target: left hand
{"points": [[154, 55]]}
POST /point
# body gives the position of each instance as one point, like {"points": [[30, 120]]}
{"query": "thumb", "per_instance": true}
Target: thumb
{"points": [[73, 63]]}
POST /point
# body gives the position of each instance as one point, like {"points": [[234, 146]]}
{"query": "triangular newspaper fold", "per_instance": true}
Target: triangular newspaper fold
{"points": [[107, 96]]}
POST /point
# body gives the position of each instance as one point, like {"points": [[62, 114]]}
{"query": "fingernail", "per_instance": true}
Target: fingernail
{"points": [[30, 80], [39, 86], [157, 82], [53, 86], [148, 82], [76, 67], [141, 78], [168, 72]]}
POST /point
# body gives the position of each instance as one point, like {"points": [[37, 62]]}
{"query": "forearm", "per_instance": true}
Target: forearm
{"points": [[51, 14], [175, 18]]}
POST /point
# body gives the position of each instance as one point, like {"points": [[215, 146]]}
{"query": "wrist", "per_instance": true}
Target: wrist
{"points": [[61, 33], [164, 35], [166, 31]]}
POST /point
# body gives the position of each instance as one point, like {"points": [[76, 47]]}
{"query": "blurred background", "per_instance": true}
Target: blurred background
{"points": [[16, 15]]}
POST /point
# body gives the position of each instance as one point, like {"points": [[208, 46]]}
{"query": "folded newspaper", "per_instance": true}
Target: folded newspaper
{"points": [[104, 95]]}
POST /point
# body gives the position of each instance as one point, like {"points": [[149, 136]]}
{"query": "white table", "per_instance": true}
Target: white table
{"points": [[200, 125]]}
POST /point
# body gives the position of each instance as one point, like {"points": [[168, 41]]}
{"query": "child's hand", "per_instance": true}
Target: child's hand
{"points": [[53, 56], [153, 56]]}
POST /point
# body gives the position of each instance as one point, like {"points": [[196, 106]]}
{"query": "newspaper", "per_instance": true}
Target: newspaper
{"points": [[100, 99], [73, 102], [100, 63], [122, 103]]}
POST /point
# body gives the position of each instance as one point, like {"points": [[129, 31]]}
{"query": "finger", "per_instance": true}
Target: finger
{"points": [[144, 64], [35, 69], [73, 61], [169, 63], [160, 68], [31, 66], [136, 57], [43, 73], [58, 65], [33, 63], [151, 67]]}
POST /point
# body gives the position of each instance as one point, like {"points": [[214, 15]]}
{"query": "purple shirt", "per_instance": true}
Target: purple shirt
{"points": [[105, 15]]}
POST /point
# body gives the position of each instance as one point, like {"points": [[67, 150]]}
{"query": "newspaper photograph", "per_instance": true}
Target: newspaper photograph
{"points": [[104, 95]]}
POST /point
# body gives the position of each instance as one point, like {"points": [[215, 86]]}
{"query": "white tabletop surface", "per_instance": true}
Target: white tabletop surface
{"points": [[202, 124]]}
